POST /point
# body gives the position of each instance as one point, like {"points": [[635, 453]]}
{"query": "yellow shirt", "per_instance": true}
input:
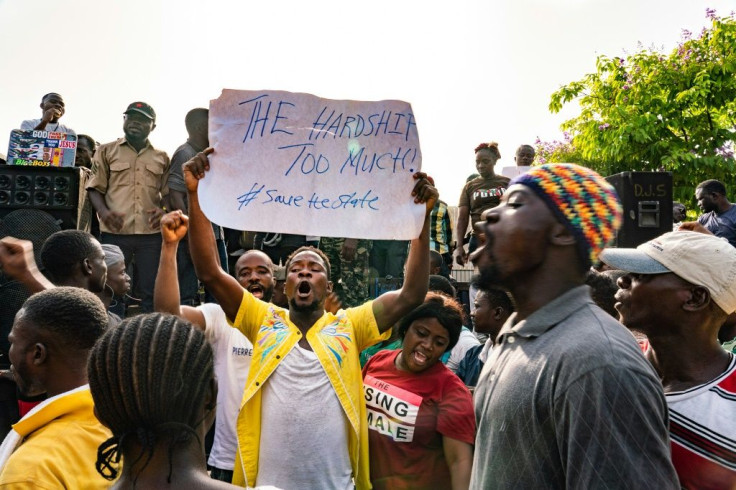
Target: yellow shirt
{"points": [[60, 447], [132, 182], [337, 341]]}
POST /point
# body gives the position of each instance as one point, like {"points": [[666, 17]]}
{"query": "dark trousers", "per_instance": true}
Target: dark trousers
{"points": [[146, 251], [188, 283], [388, 257], [222, 475]]}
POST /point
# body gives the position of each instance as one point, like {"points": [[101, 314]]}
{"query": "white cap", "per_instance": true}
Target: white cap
{"points": [[701, 259]]}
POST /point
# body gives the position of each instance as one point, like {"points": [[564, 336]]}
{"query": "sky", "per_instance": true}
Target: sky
{"points": [[474, 71]]}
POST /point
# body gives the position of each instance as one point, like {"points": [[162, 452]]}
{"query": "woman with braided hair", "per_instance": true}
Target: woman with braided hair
{"points": [[153, 385], [479, 194]]}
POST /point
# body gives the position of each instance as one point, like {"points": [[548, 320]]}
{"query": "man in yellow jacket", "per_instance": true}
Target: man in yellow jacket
{"points": [[55, 444], [302, 422]]}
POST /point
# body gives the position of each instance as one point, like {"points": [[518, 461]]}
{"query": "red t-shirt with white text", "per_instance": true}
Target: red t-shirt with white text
{"points": [[408, 414]]}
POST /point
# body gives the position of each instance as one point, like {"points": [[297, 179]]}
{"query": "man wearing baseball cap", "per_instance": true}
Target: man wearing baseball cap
{"points": [[565, 399], [679, 289], [127, 190]]}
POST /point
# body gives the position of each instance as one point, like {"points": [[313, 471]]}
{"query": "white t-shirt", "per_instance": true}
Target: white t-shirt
{"points": [[57, 127], [465, 342], [233, 353], [304, 431]]}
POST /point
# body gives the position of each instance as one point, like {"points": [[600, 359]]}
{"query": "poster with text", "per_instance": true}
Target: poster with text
{"points": [[41, 148], [296, 163]]}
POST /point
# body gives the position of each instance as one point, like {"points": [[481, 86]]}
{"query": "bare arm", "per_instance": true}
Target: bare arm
{"points": [[463, 217], [390, 307], [112, 219], [166, 291], [224, 287], [176, 200], [459, 457], [18, 263]]}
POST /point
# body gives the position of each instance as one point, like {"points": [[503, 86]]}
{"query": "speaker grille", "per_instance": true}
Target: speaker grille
{"points": [[29, 224], [51, 189]]}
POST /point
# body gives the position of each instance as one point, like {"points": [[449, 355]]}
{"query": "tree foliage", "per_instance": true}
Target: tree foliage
{"points": [[655, 111]]}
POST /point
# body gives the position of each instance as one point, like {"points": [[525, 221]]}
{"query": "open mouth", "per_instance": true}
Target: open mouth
{"points": [[304, 289], [256, 290], [419, 358]]}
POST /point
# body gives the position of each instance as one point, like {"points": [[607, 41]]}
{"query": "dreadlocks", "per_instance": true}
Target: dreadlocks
{"points": [[148, 378]]}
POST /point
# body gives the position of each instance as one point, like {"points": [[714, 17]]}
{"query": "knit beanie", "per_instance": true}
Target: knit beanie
{"points": [[580, 199], [113, 254]]}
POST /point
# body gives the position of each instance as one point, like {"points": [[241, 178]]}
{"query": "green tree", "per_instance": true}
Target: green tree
{"points": [[657, 111]]}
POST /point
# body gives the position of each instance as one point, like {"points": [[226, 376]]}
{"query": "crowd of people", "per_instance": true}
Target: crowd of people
{"points": [[580, 365]]}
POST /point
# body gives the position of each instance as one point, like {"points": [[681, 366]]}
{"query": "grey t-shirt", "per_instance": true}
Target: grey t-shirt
{"points": [[567, 400]]}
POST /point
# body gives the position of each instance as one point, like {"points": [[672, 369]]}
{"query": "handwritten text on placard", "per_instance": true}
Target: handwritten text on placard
{"points": [[296, 163]]}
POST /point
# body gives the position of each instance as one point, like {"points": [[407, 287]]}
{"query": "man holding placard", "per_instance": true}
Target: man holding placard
{"points": [[303, 400]]}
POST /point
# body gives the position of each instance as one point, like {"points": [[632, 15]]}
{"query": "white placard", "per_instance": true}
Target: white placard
{"points": [[296, 163]]}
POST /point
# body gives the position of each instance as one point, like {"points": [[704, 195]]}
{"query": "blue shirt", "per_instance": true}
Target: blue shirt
{"points": [[721, 225]]}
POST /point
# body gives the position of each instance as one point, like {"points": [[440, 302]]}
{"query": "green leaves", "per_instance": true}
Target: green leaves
{"points": [[653, 110]]}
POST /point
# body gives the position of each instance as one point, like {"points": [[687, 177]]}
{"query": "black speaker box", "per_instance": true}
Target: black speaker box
{"points": [[54, 190], [646, 198]]}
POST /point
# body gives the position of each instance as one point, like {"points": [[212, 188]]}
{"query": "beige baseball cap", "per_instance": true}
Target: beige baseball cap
{"points": [[701, 259]]}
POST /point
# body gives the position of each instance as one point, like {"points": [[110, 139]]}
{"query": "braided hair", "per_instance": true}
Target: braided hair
{"points": [[148, 378], [492, 147]]}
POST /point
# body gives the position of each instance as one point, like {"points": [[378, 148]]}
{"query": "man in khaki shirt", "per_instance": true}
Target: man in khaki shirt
{"points": [[127, 189]]}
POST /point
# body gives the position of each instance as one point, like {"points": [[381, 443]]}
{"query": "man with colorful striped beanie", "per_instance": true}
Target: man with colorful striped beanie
{"points": [[565, 400]]}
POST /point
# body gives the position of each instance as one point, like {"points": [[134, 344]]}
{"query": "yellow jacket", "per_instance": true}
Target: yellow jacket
{"points": [[337, 341], [59, 449]]}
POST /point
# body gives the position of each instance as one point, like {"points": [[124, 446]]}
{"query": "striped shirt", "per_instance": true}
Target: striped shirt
{"points": [[440, 228], [703, 432]]}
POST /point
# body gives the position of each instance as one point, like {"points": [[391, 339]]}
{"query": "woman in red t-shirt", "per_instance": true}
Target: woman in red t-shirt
{"points": [[420, 415]]}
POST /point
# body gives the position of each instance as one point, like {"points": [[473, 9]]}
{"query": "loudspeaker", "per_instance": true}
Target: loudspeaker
{"points": [[54, 190], [25, 224], [646, 198]]}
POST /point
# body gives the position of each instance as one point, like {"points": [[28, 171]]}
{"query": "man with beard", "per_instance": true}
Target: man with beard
{"points": [[678, 290], [233, 351], [719, 215], [565, 400], [55, 444], [303, 403], [127, 189]]}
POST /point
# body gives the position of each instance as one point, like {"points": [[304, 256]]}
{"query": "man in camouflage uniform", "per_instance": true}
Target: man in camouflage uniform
{"points": [[349, 264]]}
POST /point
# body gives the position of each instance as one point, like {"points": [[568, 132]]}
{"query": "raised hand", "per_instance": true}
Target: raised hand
{"points": [[16, 257], [424, 191], [174, 226], [195, 168]]}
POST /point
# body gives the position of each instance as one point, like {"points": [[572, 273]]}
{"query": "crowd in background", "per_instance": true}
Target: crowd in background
{"points": [[566, 363]]}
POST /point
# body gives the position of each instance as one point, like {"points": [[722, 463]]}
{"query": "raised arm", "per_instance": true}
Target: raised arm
{"points": [[166, 297], [202, 245], [390, 307], [18, 263]]}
